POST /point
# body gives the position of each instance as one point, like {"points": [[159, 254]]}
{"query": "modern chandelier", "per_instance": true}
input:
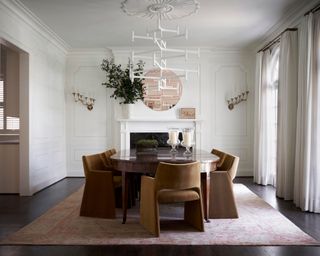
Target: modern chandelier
{"points": [[160, 53]]}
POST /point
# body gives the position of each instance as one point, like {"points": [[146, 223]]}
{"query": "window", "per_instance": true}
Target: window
{"points": [[13, 123], [272, 109], [9, 92]]}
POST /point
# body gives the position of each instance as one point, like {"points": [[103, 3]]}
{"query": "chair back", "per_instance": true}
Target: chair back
{"points": [[227, 162], [232, 163], [177, 176], [110, 152], [106, 156], [221, 155], [93, 162]]}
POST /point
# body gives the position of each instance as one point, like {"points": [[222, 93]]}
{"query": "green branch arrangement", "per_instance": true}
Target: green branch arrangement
{"points": [[119, 79]]}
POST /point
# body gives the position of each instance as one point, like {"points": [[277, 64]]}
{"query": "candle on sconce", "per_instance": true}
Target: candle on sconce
{"points": [[85, 100]]}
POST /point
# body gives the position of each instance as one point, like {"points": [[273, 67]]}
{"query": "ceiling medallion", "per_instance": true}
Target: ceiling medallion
{"points": [[164, 9], [160, 8], [160, 36]]}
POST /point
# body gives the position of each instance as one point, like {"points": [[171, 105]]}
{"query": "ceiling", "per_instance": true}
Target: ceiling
{"points": [[218, 23]]}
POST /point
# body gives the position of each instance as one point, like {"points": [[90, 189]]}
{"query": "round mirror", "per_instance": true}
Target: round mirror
{"points": [[165, 98]]}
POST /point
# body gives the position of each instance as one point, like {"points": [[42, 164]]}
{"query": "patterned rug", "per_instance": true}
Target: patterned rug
{"points": [[258, 224]]}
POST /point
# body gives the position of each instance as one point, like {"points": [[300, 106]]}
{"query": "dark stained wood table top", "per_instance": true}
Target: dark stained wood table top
{"points": [[131, 161]]}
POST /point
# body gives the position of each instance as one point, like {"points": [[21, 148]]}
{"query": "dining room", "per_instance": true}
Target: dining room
{"points": [[107, 108]]}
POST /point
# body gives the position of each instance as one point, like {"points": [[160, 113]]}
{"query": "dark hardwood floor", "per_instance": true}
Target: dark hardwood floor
{"points": [[16, 212]]}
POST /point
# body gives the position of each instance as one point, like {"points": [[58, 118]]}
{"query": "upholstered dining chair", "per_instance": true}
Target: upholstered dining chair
{"points": [[172, 183], [98, 197], [222, 203], [107, 163]]}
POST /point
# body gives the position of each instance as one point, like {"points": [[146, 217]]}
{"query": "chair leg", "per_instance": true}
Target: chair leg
{"points": [[193, 214]]}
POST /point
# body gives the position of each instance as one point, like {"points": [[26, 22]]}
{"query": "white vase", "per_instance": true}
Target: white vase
{"points": [[127, 111]]}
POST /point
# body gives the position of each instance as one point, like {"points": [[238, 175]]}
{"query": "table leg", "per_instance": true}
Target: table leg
{"points": [[205, 185], [124, 196]]}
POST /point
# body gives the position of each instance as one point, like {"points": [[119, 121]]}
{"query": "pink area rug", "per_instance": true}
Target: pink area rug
{"points": [[259, 224]]}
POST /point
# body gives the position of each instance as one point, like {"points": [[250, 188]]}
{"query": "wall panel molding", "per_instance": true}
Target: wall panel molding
{"points": [[230, 85], [88, 132]]}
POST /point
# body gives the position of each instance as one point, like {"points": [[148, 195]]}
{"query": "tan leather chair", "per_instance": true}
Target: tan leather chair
{"points": [[98, 197], [108, 166], [172, 183], [222, 203]]}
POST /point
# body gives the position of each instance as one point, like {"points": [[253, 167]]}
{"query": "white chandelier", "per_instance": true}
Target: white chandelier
{"points": [[161, 53]]}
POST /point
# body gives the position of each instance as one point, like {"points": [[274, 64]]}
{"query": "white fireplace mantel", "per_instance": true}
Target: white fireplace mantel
{"points": [[128, 126]]}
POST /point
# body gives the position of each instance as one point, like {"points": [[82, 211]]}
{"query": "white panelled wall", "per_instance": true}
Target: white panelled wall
{"points": [[88, 132], [223, 74], [56, 131], [42, 159]]}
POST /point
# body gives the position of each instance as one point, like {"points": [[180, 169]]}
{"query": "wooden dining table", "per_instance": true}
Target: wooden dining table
{"points": [[129, 162]]}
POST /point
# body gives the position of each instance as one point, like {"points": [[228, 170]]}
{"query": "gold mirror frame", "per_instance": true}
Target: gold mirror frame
{"points": [[164, 98]]}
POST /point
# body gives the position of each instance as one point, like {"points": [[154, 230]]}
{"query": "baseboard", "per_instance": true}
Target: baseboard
{"points": [[75, 173], [39, 187], [244, 173]]}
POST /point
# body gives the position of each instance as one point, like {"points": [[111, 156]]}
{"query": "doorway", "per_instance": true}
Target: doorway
{"points": [[14, 112]]}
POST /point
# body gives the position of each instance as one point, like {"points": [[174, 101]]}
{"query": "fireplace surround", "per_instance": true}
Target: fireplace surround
{"points": [[148, 128]]}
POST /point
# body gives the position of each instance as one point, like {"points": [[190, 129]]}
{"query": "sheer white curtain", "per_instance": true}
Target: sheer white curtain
{"points": [[307, 165], [287, 114], [266, 116]]}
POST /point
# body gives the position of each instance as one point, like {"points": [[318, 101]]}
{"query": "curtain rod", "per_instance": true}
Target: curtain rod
{"points": [[276, 39], [314, 9]]}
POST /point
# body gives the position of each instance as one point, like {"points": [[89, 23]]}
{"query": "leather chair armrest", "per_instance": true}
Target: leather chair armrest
{"points": [[219, 173], [99, 176]]}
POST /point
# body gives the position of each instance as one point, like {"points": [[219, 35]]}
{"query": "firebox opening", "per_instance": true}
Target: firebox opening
{"points": [[161, 137]]}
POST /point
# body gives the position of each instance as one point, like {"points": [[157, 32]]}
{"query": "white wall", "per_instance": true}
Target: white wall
{"points": [[93, 131], [88, 132], [43, 98], [223, 73], [190, 92], [42, 105]]}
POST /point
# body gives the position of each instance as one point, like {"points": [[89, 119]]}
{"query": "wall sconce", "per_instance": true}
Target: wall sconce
{"points": [[237, 99], [87, 101]]}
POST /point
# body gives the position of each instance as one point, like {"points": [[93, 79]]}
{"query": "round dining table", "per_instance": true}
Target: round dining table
{"points": [[130, 162]]}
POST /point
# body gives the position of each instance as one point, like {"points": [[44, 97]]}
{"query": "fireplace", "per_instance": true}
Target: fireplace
{"points": [[133, 130]]}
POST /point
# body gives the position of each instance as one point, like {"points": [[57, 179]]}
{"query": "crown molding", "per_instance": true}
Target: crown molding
{"points": [[291, 19], [22, 12], [221, 50], [89, 52]]}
